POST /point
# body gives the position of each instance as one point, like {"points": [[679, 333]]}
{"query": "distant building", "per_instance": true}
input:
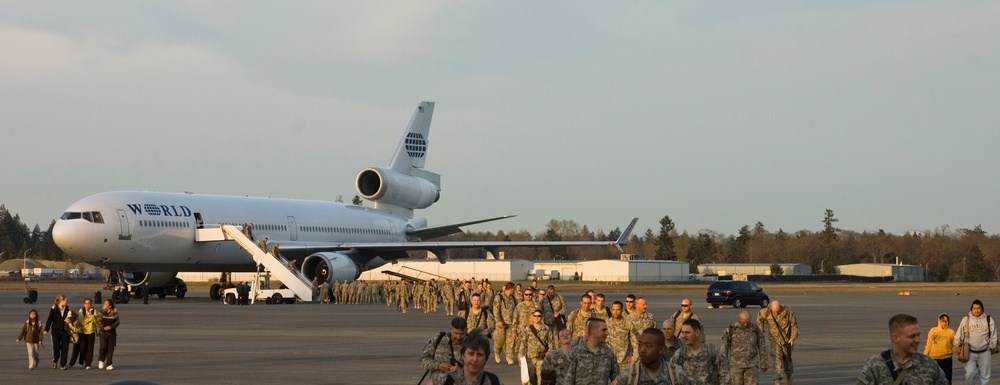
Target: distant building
{"points": [[899, 273], [745, 269]]}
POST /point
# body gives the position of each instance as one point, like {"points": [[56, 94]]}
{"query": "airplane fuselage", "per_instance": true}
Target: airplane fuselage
{"points": [[155, 231]]}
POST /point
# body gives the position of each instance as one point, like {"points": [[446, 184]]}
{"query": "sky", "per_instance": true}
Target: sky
{"points": [[718, 114]]}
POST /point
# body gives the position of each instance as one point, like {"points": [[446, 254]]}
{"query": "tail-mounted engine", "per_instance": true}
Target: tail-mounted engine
{"points": [[330, 267], [389, 187]]}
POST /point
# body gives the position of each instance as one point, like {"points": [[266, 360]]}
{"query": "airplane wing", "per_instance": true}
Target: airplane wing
{"points": [[438, 247], [440, 231]]}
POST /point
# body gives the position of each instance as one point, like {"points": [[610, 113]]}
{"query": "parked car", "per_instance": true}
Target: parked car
{"points": [[736, 293]]}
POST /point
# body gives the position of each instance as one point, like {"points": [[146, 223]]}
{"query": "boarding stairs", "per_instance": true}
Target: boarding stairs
{"points": [[277, 265]]}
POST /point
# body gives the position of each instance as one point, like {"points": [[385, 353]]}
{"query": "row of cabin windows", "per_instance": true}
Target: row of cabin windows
{"points": [[172, 224], [266, 227], [344, 230]]}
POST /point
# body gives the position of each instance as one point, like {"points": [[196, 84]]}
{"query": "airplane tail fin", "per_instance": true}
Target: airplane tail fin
{"points": [[412, 150]]}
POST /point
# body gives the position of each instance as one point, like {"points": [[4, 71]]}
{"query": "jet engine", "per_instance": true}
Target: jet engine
{"points": [[139, 278], [330, 267], [390, 187]]}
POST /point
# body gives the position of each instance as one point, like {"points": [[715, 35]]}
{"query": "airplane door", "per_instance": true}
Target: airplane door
{"points": [[293, 230], [126, 232]]}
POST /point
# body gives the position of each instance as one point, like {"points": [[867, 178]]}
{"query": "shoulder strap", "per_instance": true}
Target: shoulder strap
{"points": [[778, 327], [633, 374], [535, 332], [438, 342], [989, 329], [676, 314], [729, 339], [494, 380], [887, 356]]}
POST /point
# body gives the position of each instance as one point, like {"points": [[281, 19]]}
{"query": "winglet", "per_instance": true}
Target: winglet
{"points": [[623, 239]]}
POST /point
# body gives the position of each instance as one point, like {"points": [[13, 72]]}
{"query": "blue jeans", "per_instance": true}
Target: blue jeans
{"points": [[980, 366]]}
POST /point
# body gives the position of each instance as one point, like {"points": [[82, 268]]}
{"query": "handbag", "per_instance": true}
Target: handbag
{"points": [[963, 350]]}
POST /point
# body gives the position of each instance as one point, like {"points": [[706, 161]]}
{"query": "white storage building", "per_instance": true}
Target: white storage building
{"points": [[752, 269], [900, 273]]}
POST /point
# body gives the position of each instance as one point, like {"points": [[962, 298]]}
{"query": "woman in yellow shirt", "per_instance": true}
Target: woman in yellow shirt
{"points": [[940, 344]]}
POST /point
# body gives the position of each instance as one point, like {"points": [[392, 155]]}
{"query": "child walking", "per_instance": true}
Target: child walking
{"points": [[31, 333]]}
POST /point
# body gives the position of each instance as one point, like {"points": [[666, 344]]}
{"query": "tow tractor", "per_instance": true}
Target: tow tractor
{"points": [[260, 290]]}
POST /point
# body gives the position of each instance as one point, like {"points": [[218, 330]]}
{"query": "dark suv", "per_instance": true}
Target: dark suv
{"points": [[736, 293]]}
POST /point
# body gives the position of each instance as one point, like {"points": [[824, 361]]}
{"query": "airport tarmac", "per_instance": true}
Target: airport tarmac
{"points": [[199, 341]]}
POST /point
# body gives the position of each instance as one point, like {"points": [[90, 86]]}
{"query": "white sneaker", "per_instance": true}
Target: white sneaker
{"points": [[100, 364], [111, 367]]}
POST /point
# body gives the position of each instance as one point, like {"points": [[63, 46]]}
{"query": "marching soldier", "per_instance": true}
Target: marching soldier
{"points": [[536, 340], [783, 331], [703, 362], [618, 335], [638, 321], [503, 312], [743, 344]]}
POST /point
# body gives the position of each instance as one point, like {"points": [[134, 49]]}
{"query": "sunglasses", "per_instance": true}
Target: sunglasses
{"points": [[685, 305]]}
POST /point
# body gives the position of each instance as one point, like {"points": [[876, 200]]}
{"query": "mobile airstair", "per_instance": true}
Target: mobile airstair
{"points": [[277, 265]]}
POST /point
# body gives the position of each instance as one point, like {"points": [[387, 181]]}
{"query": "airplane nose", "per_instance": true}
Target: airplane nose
{"points": [[64, 235]]}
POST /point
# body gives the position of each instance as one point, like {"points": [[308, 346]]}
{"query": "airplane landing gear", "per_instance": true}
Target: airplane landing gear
{"points": [[225, 282]]}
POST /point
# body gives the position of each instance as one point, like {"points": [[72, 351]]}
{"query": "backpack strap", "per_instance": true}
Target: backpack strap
{"points": [[887, 356], [672, 371], [494, 380], [633, 374]]}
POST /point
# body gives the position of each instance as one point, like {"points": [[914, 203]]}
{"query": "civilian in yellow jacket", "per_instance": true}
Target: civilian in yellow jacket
{"points": [[940, 345]]}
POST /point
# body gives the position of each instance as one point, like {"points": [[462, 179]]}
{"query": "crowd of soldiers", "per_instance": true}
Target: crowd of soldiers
{"points": [[620, 344]]}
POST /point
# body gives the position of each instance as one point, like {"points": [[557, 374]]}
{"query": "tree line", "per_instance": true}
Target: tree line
{"points": [[16, 241], [950, 254]]}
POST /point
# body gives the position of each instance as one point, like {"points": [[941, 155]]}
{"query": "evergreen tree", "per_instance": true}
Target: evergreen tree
{"points": [[975, 266], [776, 269], [665, 241]]}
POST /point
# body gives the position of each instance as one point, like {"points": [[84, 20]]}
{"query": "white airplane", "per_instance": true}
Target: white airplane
{"points": [[150, 236]]}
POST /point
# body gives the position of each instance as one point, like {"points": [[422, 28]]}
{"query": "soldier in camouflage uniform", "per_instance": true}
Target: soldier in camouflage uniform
{"points": [[743, 343], [448, 297], [779, 321], [603, 312], [618, 335], [638, 321], [479, 318], [591, 362], [672, 343], [418, 295], [652, 368], [441, 354], [902, 359], [488, 294], [536, 340], [703, 362], [577, 320], [685, 313], [552, 306], [557, 360], [522, 316], [503, 313], [388, 288], [402, 295]]}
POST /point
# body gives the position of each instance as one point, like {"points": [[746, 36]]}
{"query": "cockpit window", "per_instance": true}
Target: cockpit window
{"points": [[89, 216]]}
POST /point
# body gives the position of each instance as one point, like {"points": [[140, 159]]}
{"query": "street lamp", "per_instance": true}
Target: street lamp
{"points": [[24, 261]]}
